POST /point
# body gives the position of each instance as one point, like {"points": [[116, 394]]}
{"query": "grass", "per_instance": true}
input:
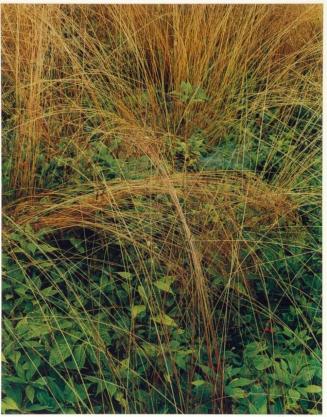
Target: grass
{"points": [[162, 208]]}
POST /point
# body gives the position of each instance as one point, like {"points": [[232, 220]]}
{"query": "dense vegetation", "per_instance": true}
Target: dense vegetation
{"points": [[161, 174]]}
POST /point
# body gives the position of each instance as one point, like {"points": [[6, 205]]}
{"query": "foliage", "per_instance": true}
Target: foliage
{"points": [[162, 209]]}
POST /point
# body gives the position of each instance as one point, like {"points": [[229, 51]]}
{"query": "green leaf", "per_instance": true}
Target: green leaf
{"points": [[75, 393], [241, 382], [257, 400], [45, 399], [37, 330], [30, 392], [40, 381], [32, 364], [21, 291], [47, 248], [281, 374], [120, 398], [235, 392], [252, 349], [70, 394], [15, 356], [8, 404], [306, 375], [93, 379], [259, 406], [181, 361], [68, 411], [31, 248], [78, 244], [137, 309], [262, 362], [56, 389], [125, 275], [149, 349], [198, 382], [165, 320], [102, 385], [312, 389], [49, 291], [201, 95], [37, 407], [294, 395], [111, 388], [142, 293], [59, 353], [80, 355], [208, 371], [164, 284]]}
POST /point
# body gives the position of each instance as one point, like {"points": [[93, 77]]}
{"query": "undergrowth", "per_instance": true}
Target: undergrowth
{"points": [[161, 171]]}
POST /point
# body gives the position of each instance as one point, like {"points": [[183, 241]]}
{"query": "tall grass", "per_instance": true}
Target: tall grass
{"points": [[167, 140]]}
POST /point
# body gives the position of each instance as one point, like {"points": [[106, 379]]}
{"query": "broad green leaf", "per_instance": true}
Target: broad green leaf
{"points": [[137, 309], [125, 275], [31, 248], [47, 248], [312, 389], [44, 398], [111, 388], [37, 407], [262, 362], [167, 377], [102, 385], [78, 244], [306, 375], [181, 361], [30, 392], [32, 364], [239, 287], [8, 404], [241, 382], [142, 293], [68, 411], [259, 406], [164, 284], [277, 407], [257, 400], [59, 353], [56, 389], [76, 392], [235, 392], [281, 374], [252, 349], [37, 330], [80, 355], [208, 371], [40, 381], [198, 382], [294, 395], [125, 363], [49, 291], [15, 393], [275, 391], [93, 379], [21, 291], [119, 396], [15, 356], [149, 349], [164, 319]]}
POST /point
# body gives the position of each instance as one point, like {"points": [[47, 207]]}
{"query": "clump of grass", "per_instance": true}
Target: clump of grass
{"points": [[162, 208]]}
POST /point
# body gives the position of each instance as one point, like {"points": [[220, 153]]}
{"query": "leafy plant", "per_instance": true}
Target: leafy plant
{"points": [[162, 209]]}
